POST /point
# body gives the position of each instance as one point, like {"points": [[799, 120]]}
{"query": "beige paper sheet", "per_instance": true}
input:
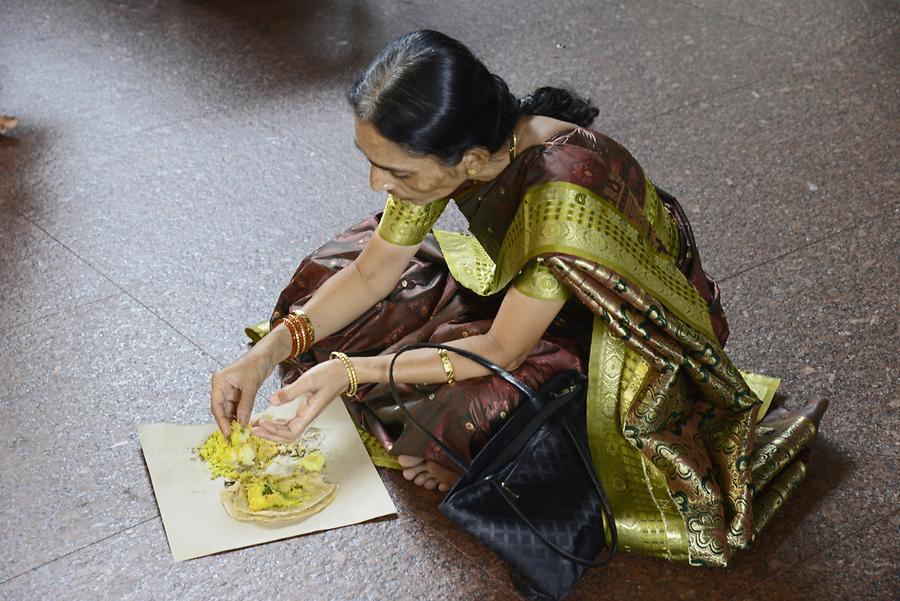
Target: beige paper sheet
{"points": [[192, 514]]}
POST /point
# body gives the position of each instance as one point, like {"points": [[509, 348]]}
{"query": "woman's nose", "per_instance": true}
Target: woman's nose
{"points": [[379, 179]]}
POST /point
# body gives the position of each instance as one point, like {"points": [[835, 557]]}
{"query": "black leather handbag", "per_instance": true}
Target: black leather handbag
{"points": [[532, 494]]}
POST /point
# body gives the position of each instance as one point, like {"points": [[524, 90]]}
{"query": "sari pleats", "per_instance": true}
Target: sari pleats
{"points": [[692, 418]]}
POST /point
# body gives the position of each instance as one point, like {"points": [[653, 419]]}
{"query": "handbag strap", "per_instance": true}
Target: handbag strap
{"points": [[532, 397], [605, 507]]}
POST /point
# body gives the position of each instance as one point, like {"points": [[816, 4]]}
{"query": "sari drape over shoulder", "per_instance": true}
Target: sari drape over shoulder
{"points": [[673, 425]]}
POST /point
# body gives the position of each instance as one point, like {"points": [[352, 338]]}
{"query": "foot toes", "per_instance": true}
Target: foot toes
{"points": [[422, 478], [409, 460], [413, 472], [431, 484], [443, 487], [441, 473]]}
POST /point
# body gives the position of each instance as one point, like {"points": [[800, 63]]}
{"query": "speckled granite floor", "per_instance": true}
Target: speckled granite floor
{"points": [[175, 160]]}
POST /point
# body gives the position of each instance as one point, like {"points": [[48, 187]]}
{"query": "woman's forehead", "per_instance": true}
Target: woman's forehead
{"points": [[381, 152]]}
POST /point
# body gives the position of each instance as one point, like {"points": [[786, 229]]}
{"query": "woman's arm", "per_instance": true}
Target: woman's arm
{"points": [[346, 295], [517, 328], [340, 300], [519, 325]]}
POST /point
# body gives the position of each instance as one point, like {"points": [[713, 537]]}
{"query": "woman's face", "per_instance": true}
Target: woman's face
{"points": [[417, 179]]}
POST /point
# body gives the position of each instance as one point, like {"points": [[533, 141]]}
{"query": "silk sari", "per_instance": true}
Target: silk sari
{"points": [[677, 433]]}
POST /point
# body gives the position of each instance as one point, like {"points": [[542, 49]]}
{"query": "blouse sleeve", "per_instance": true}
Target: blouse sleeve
{"points": [[406, 224], [537, 281]]}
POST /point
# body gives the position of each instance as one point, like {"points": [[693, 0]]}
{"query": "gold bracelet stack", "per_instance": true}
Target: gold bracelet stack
{"points": [[351, 372], [303, 335], [448, 367]]}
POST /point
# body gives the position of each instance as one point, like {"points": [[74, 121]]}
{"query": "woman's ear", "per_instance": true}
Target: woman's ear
{"points": [[475, 159]]}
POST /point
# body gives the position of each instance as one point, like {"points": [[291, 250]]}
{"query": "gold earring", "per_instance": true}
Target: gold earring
{"points": [[471, 171]]}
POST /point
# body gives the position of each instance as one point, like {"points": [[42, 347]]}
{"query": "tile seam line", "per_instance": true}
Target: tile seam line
{"points": [[734, 18], [775, 76], [22, 324], [81, 548], [328, 151], [150, 128], [832, 234], [128, 294], [104, 150], [688, 104], [157, 516]]}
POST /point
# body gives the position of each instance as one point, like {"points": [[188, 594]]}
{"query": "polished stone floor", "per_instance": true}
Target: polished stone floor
{"points": [[175, 160]]}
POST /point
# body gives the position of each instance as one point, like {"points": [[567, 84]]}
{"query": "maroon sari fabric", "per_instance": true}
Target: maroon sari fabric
{"points": [[426, 306]]}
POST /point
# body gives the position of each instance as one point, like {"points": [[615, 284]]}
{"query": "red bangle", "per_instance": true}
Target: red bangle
{"points": [[302, 334]]}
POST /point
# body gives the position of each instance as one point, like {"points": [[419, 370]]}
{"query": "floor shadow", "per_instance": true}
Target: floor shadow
{"points": [[272, 46], [21, 154]]}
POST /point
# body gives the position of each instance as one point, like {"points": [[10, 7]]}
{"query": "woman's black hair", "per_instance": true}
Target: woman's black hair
{"points": [[428, 93]]}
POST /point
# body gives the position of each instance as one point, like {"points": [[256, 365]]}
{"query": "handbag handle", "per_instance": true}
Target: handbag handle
{"points": [[531, 397], [605, 507]]}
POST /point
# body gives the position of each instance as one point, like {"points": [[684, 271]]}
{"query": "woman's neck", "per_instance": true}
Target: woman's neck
{"points": [[531, 130]]}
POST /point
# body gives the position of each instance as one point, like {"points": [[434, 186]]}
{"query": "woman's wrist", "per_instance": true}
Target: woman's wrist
{"points": [[275, 347], [370, 370], [346, 363]]}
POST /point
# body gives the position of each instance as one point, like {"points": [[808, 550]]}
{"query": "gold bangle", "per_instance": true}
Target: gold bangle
{"points": [[448, 367], [351, 372], [305, 318]]}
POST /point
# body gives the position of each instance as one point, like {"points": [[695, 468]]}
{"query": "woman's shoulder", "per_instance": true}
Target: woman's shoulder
{"points": [[580, 155], [546, 133]]}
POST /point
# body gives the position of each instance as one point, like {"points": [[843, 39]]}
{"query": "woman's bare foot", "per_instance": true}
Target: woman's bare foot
{"points": [[427, 473], [7, 123]]}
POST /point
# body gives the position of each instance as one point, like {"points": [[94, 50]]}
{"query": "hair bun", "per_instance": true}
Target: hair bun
{"points": [[559, 103]]}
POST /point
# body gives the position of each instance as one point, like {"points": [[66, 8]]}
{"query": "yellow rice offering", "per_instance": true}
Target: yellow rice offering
{"points": [[274, 481]]}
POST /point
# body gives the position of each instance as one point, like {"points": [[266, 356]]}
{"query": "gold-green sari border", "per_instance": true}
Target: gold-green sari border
{"points": [[257, 331], [647, 518], [406, 224], [764, 387], [537, 281], [595, 230]]}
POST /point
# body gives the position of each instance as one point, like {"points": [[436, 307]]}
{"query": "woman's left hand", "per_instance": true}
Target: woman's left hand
{"points": [[321, 384]]}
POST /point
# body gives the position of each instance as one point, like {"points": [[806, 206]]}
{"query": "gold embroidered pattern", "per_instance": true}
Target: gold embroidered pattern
{"points": [[662, 223], [776, 494], [778, 449], [406, 224], [647, 519], [561, 217], [469, 263], [537, 281]]}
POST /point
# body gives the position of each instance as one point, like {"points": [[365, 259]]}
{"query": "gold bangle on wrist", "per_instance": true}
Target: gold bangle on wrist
{"points": [[351, 372], [448, 367]]}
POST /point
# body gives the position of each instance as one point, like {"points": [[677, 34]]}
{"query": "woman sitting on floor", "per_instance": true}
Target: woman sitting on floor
{"points": [[576, 260]]}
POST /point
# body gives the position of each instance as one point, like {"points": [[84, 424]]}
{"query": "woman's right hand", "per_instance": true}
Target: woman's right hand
{"points": [[234, 389]]}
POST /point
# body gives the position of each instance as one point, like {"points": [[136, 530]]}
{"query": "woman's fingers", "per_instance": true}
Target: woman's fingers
{"points": [[307, 411], [245, 406], [221, 404], [275, 431], [291, 391]]}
